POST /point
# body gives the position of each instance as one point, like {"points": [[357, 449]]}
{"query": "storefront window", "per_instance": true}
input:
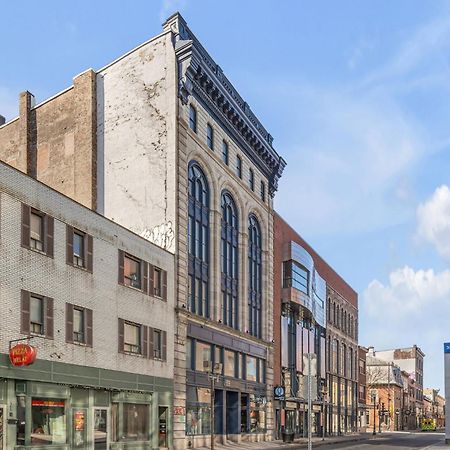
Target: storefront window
{"points": [[257, 414], [198, 411], [135, 422], [230, 363], [48, 421], [202, 356], [251, 368]]}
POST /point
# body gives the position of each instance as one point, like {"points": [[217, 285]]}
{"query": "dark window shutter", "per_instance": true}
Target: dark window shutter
{"points": [[151, 353], [121, 335], [48, 325], [164, 284], [90, 253], [121, 267], [144, 340], [26, 211], [144, 268], [89, 327], [25, 313], [164, 345], [151, 280], [49, 233], [69, 245], [69, 323]]}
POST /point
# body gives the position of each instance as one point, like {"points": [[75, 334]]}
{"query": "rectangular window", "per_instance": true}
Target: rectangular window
{"points": [[132, 272], [263, 191], [210, 136], [78, 249], [239, 166], [295, 276], [198, 411], [257, 415], [225, 152], [188, 354], [284, 341], [36, 314], [203, 357], [132, 338], [193, 119], [48, 422], [250, 368], [157, 282], [157, 344], [78, 325], [251, 179], [135, 419], [229, 363], [37, 231]]}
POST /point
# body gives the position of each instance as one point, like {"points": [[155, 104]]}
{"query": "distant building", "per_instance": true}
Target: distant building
{"points": [[409, 410], [363, 410], [434, 406], [409, 359], [384, 393]]}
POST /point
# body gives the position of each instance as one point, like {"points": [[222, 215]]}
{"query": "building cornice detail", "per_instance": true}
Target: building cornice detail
{"points": [[200, 76]]}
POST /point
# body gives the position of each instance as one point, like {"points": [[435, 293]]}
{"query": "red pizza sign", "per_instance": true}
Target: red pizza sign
{"points": [[22, 355]]}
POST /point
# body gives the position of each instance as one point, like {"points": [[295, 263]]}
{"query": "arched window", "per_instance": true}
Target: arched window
{"points": [[229, 256], [254, 277], [198, 241]]}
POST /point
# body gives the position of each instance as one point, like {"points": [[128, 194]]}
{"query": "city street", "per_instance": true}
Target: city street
{"points": [[397, 441]]}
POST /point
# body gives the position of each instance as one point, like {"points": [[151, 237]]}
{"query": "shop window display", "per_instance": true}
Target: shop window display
{"points": [[198, 411], [48, 421]]}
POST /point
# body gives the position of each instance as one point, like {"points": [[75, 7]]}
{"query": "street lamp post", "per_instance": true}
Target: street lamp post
{"points": [[374, 398], [216, 370]]}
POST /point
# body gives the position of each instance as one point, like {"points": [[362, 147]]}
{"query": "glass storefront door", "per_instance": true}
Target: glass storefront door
{"points": [[163, 427], [101, 436]]}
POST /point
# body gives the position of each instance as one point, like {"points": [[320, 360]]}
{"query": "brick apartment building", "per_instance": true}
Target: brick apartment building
{"points": [[97, 302], [315, 311], [162, 143]]}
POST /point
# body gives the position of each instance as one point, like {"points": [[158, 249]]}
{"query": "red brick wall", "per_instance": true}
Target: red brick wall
{"points": [[284, 233]]}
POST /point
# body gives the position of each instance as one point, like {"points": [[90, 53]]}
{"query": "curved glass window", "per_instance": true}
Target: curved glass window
{"points": [[198, 241], [229, 257], [254, 277]]}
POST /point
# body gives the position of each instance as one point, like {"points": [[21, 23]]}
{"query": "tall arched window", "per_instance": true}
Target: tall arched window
{"points": [[229, 256], [254, 277], [198, 241]]}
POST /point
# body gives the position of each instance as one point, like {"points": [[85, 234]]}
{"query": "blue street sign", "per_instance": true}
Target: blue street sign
{"points": [[447, 347]]}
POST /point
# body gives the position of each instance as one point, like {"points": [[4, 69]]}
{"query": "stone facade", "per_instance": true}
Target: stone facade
{"points": [[135, 172], [97, 367]]}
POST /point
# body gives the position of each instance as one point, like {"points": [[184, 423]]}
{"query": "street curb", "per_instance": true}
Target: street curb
{"points": [[296, 445]]}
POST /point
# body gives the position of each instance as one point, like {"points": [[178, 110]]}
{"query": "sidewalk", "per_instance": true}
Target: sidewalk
{"points": [[298, 443]]}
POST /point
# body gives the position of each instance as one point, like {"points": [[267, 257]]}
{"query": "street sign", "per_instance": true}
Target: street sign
{"points": [[278, 393], [447, 347]]}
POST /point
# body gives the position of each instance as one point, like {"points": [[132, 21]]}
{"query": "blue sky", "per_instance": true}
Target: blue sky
{"points": [[357, 97]]}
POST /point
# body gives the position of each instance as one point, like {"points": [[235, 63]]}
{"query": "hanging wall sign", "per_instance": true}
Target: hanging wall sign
{"points": [[22, 355]]}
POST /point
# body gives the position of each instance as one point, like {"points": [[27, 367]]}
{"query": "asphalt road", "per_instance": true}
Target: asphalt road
{"points": [[396, 441]]}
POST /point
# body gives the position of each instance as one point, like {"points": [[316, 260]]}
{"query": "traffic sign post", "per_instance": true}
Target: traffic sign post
{"points": [[447, 391]]}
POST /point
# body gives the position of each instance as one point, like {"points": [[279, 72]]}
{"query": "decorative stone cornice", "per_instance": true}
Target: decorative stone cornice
{"points": [[200, 76]]}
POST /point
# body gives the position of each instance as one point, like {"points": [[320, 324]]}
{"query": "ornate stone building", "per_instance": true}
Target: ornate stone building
{"points": [[161, 142]]}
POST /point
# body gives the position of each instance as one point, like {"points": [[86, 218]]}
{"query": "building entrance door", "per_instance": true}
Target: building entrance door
{"points": [[232, 422], [101, 429]]}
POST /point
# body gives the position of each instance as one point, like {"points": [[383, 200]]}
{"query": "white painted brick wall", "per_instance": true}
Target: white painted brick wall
{"points": [[21, 268]]}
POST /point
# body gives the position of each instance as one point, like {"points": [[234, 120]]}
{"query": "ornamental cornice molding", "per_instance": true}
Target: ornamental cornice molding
{"points": [[201, 77]]}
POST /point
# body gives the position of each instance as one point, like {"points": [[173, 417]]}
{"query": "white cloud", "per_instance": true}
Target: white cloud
{"points": [[433, 221], [412, 308]]}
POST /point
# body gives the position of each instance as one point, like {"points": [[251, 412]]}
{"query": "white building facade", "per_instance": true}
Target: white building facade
{"points": [[97, 302]]}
